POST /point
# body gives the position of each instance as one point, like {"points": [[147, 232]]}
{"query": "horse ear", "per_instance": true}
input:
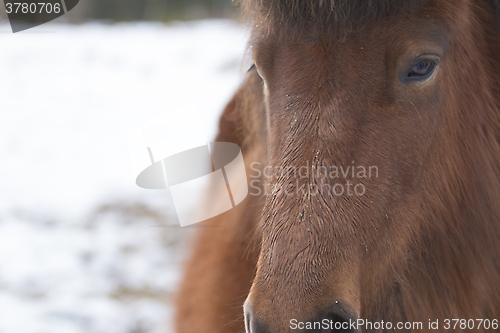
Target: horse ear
{"points": [[242, 121]]}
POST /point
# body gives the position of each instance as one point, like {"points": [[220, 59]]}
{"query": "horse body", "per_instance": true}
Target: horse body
{"points": [[411, 89]]}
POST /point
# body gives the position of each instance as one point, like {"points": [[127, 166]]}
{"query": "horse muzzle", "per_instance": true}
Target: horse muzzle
{"points": [[335, 318]]}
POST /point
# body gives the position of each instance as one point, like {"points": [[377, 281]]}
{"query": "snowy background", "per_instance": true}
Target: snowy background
{"points": [[82, 248]]}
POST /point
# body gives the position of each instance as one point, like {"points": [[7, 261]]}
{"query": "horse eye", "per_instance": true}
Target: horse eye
{"points": [[422, 69]]}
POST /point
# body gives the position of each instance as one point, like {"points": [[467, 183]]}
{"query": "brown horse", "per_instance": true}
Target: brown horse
{"points": [[370, 131]]}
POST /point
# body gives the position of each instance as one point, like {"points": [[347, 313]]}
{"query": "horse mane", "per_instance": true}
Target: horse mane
{"points": [[354, 13]]}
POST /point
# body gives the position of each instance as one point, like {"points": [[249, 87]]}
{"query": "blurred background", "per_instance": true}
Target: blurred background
{"points": [[82, 248]]}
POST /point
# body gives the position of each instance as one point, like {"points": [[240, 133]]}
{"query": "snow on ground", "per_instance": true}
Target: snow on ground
{"points": [[82, 248]]}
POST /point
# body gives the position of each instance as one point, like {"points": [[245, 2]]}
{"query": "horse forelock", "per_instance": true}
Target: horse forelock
{"points": [[353, 13]]}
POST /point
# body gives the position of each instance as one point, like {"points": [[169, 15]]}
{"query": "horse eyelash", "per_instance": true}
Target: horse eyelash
{"points": [[251, 68]]}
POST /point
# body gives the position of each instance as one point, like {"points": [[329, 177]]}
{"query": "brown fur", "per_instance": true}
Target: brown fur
{"points": [[423, 242], [299, 13]]}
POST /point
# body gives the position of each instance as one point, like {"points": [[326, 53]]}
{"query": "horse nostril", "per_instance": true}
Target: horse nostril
{"points": [[248, 316], [341, 320], [339, 324], [247, 321], [252, 324], [333, 319]]}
